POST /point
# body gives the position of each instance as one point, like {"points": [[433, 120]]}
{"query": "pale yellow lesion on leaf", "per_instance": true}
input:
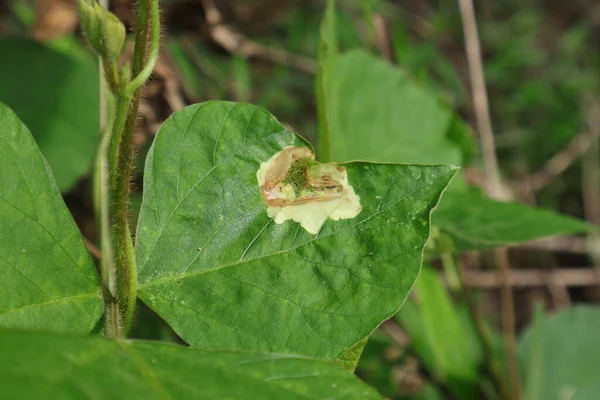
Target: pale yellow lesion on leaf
{"points": [[296, 187]]}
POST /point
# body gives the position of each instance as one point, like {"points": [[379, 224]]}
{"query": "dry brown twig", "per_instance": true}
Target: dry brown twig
{"points": [[590, 182], [382, 37], [493, 184], [527, 278], [480, 99], [565, 158], [564, 244], [395, 332], [237, 43]]}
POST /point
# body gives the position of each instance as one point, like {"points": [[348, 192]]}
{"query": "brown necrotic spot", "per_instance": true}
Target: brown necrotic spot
{"points": [[295, 178], [294, 186]]}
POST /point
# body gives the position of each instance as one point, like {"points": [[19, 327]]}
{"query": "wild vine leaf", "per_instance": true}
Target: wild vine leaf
{"points": [[36, 364], [223, 274], [48, 278]]}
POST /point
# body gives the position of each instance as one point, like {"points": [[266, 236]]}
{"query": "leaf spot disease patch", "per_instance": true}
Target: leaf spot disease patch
{"points": [[295, 186]]}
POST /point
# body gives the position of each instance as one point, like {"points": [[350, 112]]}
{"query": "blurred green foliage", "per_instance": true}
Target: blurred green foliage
{"points": [[56, 95], [560, 356]]}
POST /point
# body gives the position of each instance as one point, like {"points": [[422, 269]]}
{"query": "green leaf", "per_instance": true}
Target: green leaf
{"points": [[225, 275], [36, 365], [48, 278], [564, 351], [410, 319], [441, 338], [56, 96], [349, 359], [377, 113], [476, 222]]}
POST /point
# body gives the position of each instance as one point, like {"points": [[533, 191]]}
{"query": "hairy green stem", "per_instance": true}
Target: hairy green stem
{"points": [[116, 137], [121, 160], [112, 179], [122, 156], [109, 79], [119, 230], [141, 75]]}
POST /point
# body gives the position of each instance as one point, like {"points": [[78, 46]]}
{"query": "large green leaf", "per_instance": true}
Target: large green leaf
{"points": [[48, 277], [443, 340], [36, 365], [56, 96], [224, 275], [476, 222], [375, 112], [560, 356]]}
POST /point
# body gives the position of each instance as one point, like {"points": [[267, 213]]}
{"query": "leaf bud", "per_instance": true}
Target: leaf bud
{"points": [[103, 29]]}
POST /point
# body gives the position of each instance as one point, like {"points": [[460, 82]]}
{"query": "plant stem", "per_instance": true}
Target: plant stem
{"points": [[142, 67], [454, 283], [123, 275], [109, 79], [480, 98], [328, 48], [124, 284], [101, 200]]}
